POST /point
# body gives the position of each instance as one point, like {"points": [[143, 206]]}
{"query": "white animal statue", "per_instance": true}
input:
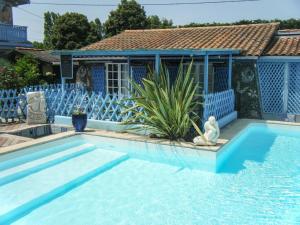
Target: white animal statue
{"points": [[36, 108], [211, 134]]}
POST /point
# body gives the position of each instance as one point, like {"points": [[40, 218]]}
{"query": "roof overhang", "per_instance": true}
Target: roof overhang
{"points": [[149, 52]]}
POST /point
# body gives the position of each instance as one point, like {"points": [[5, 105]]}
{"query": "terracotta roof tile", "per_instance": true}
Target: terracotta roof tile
{"points": [[284, 46], [252, 39]]}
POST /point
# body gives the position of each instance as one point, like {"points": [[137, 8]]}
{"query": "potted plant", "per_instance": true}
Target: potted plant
{"points": [[79, 119]]}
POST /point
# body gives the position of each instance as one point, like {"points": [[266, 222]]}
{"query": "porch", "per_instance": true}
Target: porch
{"points": [[13, 36], [109, 72]]}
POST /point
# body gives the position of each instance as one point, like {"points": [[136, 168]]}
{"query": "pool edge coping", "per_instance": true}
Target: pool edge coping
{"points": [[111, 134], [222, 142]]}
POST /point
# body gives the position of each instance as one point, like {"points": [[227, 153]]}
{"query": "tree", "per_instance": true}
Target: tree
{"points": [[165, 23], [9, 78], [49, 21], [283, 24], [38, 45], [96, 31], [70, 31], [128, 15], [27, 71], [154, 22]]}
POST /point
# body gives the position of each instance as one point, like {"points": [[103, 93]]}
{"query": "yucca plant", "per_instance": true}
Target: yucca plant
{"points": [[165, 109]]}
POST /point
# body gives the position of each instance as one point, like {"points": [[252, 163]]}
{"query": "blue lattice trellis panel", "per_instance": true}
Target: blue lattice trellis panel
{"points": [[218, 104], [13, 102], [98, 78], [9, 104], [271, 82], [138, 73], [294, 88], [220, 79], [97, 106]]}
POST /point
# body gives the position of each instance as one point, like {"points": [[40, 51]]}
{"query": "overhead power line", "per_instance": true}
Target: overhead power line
{"points": [[147, 4], [28, 12]]}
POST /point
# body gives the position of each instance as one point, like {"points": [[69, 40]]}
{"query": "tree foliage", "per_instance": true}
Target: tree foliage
{"points": [[154, 22], [26, 67], [38, 45], [96, 31], [70, 31], [128, 15], [283, 24], [49, 21], [24, 72], [9, 78]]}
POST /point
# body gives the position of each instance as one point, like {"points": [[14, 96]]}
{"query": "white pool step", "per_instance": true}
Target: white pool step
{"points": [[15, 159], [27, 168], [21, 196]]}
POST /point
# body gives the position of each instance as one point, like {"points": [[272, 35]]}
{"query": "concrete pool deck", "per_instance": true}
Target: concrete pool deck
{"points": [[227, 133]]}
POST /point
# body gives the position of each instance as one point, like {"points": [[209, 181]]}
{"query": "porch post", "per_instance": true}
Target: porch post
{"points": [[157, 63], [63, 82], [206, 74], [129, 68], [230, 71]]}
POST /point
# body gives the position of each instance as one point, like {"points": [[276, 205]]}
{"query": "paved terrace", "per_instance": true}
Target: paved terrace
{"points": [[7, 138]]}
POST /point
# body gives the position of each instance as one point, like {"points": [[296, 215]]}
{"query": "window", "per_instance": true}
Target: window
{"points": [[117, 79]]}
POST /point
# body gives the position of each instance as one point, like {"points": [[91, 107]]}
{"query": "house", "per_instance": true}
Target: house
{"points": [[252, 68], [11, 36]]}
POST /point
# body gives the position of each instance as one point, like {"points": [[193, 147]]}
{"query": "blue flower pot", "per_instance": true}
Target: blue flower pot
{"points": [[79, 122]]}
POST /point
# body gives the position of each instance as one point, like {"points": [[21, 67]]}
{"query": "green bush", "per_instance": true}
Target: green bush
{"points": [[9, 78], [27, 69], [169, 110], [25, 72]]}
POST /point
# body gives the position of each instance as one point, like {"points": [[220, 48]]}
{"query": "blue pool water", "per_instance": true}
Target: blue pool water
{"points": [[255, 179]]}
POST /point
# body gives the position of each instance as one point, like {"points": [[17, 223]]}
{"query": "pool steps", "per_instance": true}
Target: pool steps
{"points": [[15, 161], [23, 170], [64, 177]]}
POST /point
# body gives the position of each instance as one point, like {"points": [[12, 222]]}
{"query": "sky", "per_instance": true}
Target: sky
{"points": [[183, 14]]}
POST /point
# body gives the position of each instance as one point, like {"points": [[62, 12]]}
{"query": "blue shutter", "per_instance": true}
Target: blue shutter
{"points": [[98, 78], [138, 73]]}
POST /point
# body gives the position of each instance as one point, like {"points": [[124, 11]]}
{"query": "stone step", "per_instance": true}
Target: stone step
{"points": [[25, 169], [22, 196], [17, 158]]}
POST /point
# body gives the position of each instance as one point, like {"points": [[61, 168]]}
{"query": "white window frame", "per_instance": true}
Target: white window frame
{"points": [[119, 93]]}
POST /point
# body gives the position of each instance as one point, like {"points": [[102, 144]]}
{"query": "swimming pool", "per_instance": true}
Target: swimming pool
{"points": [[85, 179]]}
